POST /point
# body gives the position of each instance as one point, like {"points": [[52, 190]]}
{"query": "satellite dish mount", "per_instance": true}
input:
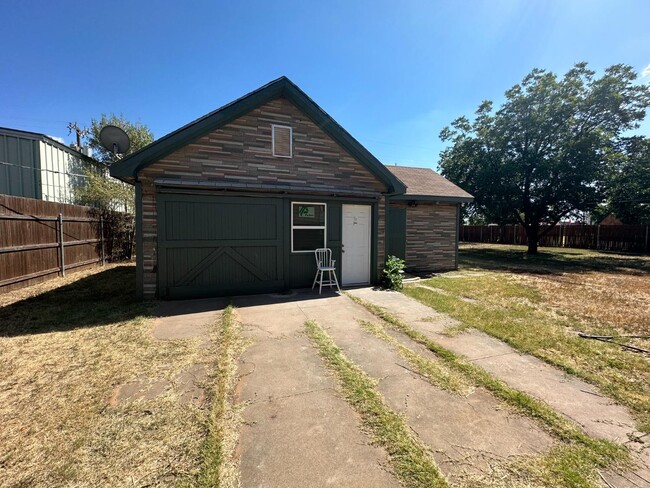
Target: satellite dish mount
{"points": [[114, 140]]}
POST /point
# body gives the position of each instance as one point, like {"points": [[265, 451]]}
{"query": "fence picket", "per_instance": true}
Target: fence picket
{"points": [[40, 240], [625, 238]]}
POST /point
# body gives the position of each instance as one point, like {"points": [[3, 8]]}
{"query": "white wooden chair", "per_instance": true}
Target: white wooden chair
{"points": [[325, 264]]}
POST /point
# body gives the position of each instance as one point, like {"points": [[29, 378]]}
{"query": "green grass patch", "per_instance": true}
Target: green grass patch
{"points": [[436, 372], [572, 464], [530, 329], [486, 287], [410, 459], [219, 470]]}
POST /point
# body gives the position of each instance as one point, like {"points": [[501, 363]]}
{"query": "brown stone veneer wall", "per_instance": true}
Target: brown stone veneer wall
{"points": [[241, 153], [430, 236], [381, 236]]}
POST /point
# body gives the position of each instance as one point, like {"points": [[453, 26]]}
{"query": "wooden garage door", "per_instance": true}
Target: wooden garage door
{"points": [[218, 246]]}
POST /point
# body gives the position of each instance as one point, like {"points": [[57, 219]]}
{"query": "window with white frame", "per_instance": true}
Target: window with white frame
{"points": [[282, 141], [308, 226]]}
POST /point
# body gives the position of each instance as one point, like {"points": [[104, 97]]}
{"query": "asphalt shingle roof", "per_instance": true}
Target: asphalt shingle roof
{"points": [[426, 182]]}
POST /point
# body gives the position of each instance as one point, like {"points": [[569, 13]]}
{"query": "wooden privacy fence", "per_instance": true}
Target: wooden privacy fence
{"points": [[624, 238], [40, 240]]}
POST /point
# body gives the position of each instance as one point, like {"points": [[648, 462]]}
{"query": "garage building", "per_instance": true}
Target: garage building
{"points": [[236, 202]]}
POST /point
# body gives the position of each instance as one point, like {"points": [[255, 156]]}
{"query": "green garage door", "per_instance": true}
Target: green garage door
{"points": [[216, 246]]}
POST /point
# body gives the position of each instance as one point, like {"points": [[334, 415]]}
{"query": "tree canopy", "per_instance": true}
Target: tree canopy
{"points": [[544, 153], [138, 133], [102, 190], [628, 183]]}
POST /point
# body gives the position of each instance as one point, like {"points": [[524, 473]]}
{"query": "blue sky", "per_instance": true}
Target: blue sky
{"points": [[393, 73]]}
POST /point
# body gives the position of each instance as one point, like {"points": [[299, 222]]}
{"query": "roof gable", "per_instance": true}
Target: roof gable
{"points": [[426, 184], [129, 167], [239, 155]]}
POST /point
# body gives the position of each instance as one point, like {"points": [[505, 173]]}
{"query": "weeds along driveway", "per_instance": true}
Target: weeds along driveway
{"points": [[302, 426]]}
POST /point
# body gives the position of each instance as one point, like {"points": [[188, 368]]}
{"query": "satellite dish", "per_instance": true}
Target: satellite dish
{"points": [[114, 139]]}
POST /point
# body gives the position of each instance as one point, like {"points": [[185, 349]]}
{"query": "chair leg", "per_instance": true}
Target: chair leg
{"points": [[337, 282], [315, 278], [320, 289]]}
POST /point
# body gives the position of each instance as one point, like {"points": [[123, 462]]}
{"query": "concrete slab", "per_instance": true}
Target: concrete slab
{"points": [[139, 389], [189, 384], [308, 440], [466, 434], [186, 319], [297, 430], [580, 401], [583, 403], [597, 414], [281, 368]]}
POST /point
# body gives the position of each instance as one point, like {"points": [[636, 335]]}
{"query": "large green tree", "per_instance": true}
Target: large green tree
{"points": [[543, 154], [101, 190]]}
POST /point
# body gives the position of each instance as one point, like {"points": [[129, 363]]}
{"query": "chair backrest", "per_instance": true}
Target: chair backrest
{"points": [[323, 257]]}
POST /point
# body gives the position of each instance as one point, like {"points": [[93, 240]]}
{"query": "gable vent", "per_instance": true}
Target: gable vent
{"points": [[282, 141]]}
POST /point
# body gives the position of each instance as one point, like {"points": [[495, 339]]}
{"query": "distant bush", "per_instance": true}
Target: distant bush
{"points": [[393, 278]]}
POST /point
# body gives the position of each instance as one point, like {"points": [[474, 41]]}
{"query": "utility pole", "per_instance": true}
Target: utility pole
{"points": [[72, 126]]}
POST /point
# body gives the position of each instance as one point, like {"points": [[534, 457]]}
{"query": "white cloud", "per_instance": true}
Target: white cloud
{"points": [[62, 140], [645, 73]]}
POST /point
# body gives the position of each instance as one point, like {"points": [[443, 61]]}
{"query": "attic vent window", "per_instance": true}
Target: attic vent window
{"points": [[282, 141]]}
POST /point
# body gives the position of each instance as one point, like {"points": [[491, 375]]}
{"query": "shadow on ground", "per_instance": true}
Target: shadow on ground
{"points": [[99, 299], [292, 296], [555, 261]]}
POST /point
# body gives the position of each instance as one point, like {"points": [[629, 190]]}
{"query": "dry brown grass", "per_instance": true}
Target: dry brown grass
{"points": [[608, 292], [621, 301], [538, 304], [62, 353], [14, 296]]}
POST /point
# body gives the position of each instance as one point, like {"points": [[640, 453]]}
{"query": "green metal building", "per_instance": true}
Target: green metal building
{"points": [[34, 165]]}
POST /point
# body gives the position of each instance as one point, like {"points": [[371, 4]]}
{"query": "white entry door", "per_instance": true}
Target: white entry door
{"points": [[355, 266]]}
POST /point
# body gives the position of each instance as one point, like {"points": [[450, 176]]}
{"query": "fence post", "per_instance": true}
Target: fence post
{"points": [[598, 237], [101, 233], [646, 238], [61, 246]]}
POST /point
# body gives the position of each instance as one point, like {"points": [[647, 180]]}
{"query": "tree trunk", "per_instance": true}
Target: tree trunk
{"points": [[532, 233]]}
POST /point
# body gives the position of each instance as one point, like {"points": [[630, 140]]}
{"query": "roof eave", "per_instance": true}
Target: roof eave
{"points": [[45, 138]]}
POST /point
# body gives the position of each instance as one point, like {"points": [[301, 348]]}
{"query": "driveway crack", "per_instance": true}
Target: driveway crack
{"points": [[271, 398]]}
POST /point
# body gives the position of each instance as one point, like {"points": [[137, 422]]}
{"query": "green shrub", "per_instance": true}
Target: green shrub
{"points": [[394, 273]]}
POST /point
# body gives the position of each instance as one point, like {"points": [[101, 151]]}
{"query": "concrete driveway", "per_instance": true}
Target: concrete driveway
{"points": [[299, 431]]}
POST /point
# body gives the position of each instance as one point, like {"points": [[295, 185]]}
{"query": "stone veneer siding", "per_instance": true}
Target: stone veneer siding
{"points": [[381, 236], [431, 235], [241, 153]]}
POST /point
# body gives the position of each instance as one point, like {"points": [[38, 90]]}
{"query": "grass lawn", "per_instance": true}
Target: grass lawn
{"points": [[538, 304], [64, 347]]}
